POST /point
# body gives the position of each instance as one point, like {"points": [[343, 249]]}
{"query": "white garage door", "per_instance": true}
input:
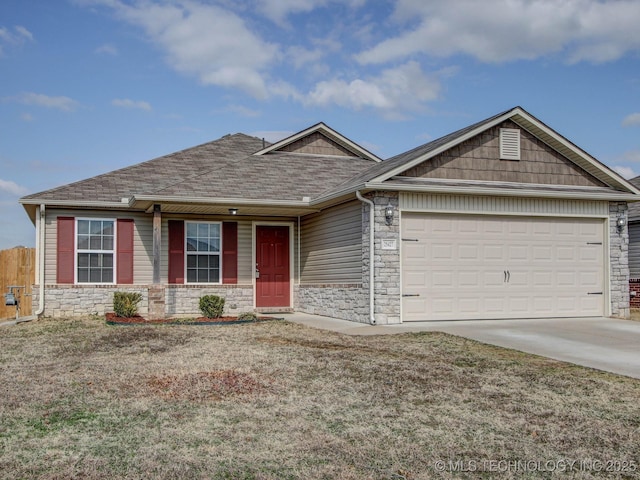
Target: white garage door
{"points": [[480, 267]]}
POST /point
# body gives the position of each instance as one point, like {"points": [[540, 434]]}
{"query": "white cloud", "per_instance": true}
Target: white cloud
{"points": [[403, 88], [16, 36], [12, 188], [65, 104], [631, 120], [26, 117], [506, 30], [632, 156], [127, 103], [626, 172], [107, 49], [278, 10], [202, 40], [242, 111]]}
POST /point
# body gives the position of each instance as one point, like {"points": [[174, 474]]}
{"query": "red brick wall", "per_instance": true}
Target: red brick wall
{"points": [[634, 292]]}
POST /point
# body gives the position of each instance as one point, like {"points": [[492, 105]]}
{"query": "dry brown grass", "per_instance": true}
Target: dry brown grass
{"points": [[81, 399]]}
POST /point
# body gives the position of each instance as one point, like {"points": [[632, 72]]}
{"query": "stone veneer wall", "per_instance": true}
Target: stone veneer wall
{"points": [[76, 301], [180, 300], [619, 260], [386, 262], [183, 300], [344, 301]]}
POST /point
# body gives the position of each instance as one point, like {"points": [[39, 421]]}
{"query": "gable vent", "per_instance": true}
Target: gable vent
{"points": [[509, 144]]}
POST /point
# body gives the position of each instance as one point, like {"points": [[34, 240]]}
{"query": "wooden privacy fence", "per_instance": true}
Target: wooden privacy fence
{"points": [[17, 267]]}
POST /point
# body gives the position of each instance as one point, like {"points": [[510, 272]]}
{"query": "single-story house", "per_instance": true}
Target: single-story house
{"points": [[505, 218]]}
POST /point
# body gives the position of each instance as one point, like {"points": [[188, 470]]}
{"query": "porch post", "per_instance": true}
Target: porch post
{"points": [[156, 291], [157, 242]]}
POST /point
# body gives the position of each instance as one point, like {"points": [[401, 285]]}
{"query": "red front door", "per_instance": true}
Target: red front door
{"points": [[272, 266]]}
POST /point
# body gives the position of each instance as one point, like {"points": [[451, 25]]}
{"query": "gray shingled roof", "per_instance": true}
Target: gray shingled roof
{"points": [[224, 168], [634, 208], [392, 163]]}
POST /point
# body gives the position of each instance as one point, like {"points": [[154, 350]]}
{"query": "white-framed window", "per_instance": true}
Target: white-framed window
{"points": [[203, 245], [95, 250]]}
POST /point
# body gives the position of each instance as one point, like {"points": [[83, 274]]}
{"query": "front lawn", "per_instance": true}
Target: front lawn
{"points": [[81, 399]]}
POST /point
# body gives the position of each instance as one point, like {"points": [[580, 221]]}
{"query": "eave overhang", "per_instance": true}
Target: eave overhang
{"points": [[221, 206], [500, 191]]}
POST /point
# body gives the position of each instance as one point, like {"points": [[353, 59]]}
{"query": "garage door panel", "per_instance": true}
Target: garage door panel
{"points": [[474, 266]]}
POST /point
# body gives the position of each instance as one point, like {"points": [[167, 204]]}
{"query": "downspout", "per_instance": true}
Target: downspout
{"points": [[372, 317], [40, 219], [298, 250]]}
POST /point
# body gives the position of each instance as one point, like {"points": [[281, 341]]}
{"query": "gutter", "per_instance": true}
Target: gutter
{"points": [[499, 192], [40, 219], [372, 317]]}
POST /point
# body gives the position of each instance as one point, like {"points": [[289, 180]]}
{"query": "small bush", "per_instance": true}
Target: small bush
{"points": [[248, 316], [125, 304], [211, 306]]}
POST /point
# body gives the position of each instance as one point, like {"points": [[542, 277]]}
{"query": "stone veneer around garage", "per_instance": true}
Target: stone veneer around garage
{"points": [[344, 301], [619, 261]]}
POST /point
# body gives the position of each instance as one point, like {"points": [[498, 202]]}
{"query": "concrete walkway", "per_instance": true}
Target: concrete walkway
{"points": [[607, 344]]}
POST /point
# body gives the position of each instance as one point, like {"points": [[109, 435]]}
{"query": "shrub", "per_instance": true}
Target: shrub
{"points": [[125, 304], [248, 316], [211, 306]]}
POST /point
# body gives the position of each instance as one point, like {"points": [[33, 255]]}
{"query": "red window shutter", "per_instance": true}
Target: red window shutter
{"points": [[65, 263], [229, 252], [124, 254], [176, 251]]}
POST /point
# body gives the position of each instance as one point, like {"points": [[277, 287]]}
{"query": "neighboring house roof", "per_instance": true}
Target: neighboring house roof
{"points": [[307, 171], [634, 208]]}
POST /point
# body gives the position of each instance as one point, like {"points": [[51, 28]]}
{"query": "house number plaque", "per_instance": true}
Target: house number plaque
{"points": [[389, 245]]}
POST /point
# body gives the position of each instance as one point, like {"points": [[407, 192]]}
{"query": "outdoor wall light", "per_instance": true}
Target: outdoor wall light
{"points": [[388, 214], [233, 211], [620, 223]]}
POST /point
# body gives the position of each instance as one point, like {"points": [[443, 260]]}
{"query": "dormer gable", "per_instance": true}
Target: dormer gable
{"points": [[319, 140]]}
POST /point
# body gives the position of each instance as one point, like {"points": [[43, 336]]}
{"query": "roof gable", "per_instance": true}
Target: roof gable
{"points": [[527, 122], [478, 158], [320, 140]]}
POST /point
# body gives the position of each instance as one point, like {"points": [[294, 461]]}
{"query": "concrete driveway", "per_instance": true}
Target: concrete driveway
{"points": [[607, 344]]}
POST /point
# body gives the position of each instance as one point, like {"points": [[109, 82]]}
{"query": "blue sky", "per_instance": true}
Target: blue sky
{"points": [[89, 86]]}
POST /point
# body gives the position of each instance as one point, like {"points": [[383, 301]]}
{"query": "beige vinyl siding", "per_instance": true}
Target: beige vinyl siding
{"points": [[142, 241], [424, 202], [245, 248], [331, 245], [634, 250]]}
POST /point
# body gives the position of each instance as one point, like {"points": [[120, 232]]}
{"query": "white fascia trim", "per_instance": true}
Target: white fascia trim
{"points": [[220, 201], [500, 192], [327, 131], [76, 203], [337, 194]]}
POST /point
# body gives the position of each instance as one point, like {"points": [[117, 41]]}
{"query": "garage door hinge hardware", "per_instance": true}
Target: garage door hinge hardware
{"points": [[594, 243], [594, 293], [410, 294], [410, 240]]}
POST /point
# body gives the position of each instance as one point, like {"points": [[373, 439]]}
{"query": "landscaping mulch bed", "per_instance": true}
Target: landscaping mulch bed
{"points": [[113, 319]]}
